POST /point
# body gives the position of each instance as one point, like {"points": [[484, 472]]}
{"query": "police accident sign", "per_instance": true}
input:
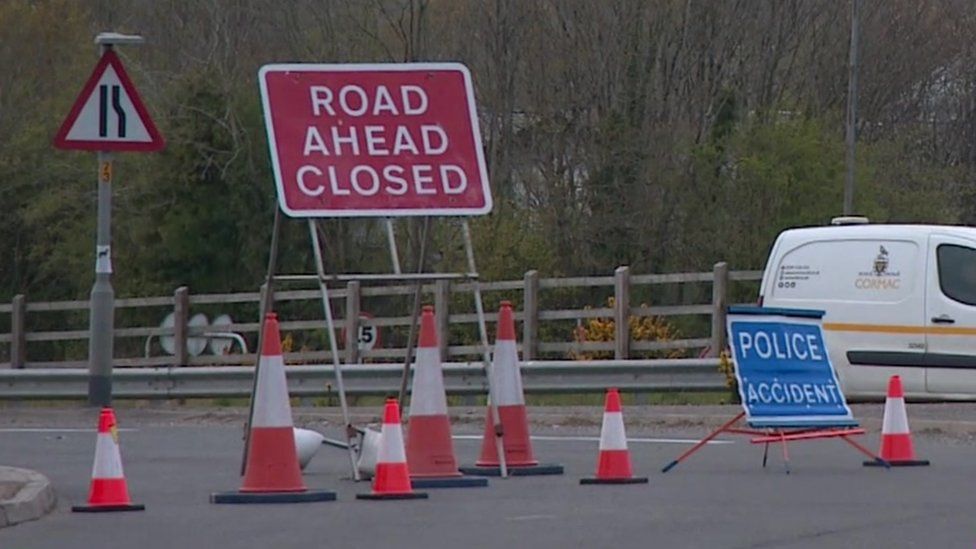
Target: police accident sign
{"points": [[783, 368], [374, 140]]}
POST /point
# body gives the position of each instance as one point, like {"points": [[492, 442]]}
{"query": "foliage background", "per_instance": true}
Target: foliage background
{"points": [[665, 135]]}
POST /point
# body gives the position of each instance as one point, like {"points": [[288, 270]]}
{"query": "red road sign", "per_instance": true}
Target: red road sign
{"points": [[374, 140], [108, 114]]}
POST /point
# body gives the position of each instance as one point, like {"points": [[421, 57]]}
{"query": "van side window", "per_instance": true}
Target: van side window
{"points": [[957, 273]]}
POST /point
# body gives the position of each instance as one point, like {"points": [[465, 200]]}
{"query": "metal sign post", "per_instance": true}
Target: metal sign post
{"points": [[107, 116], [102, 319]]}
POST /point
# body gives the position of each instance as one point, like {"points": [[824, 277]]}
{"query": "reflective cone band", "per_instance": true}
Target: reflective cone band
{"points": [[506, 386], [613, 464], [108, 490], [896, 438], [430, 450], [392, 478], [271, 473]]}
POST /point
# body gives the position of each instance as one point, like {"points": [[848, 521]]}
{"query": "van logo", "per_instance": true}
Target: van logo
{"points": [[881, 262], [879, 277]]}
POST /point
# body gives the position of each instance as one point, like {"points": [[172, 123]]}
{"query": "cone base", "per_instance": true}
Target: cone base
{"points": [[515, 471], [899, 463], [628, 480], [114, 507], [449, 482], [397, 495], [272, 497]]}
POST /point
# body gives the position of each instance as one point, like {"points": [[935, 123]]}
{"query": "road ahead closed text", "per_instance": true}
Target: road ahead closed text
{"points": [[375, 140]]}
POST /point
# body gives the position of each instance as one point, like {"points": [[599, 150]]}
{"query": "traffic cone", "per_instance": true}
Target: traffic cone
{"points": [[108, 490], [272, 473], [506, 386], [896, 438], [613, 465], [430, 451], [392, 478]]}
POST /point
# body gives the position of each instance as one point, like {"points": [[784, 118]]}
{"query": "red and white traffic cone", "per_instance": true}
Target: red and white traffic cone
{"points": [[392, 478], [108, 490], [896, 438], [430, 450], [613, 464], [506, 386], [272, 473]]}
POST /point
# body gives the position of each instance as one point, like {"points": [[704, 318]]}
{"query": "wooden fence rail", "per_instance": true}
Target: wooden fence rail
{"points": [[32, 342]]}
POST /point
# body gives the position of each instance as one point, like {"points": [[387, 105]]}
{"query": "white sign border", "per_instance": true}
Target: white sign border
{"points": [[387, 67], [778, 316]]}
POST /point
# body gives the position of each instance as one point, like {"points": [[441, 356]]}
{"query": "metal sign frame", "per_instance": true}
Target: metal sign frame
{"points": [[322, 279]]}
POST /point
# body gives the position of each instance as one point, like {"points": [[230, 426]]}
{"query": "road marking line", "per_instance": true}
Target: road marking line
{"points": [[55, 430], [597, 439], [531, 517]]}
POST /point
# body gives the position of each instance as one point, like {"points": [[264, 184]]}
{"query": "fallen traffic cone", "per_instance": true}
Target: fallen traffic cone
{"points": [[272, 473], [392, 478], [108, 490], [506, 386], [896, 438], [613, 465], [430, 451]]}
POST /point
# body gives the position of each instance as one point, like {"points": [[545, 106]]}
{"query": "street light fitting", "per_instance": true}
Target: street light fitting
{"points": [[113, 38]]}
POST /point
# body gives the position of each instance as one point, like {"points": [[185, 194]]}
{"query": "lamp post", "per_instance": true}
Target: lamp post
{"points": [[102, 309]]}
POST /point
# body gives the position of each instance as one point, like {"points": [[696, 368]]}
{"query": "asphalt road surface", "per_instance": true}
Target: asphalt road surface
{"points": [[721, 497]]}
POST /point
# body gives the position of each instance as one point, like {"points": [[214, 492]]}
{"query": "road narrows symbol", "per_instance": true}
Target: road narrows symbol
{"points": [[116, 106]]}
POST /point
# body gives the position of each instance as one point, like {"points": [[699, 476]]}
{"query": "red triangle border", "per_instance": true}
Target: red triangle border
{"points": [[156, 140]]}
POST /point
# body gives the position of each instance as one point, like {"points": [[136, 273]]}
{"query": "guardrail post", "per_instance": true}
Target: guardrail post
{"points": [[621, 312], [18, 332], [720, 298], [181, 314], [442, 315], [352, 322], [530, 316]]}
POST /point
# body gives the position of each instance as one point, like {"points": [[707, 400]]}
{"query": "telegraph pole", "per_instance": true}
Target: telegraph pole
{"points": [[851, 133]]}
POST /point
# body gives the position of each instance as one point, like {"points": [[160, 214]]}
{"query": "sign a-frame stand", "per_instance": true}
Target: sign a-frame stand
{"points": [[375, 141], [789, 389]]}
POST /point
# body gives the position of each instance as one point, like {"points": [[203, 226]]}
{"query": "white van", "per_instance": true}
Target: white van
{"points": [[899, 299]]}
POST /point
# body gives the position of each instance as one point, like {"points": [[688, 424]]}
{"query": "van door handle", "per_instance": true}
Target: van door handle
{"points": [[943, 319]]}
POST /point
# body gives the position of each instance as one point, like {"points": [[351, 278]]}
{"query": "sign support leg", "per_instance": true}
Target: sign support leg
{"points": [[266, 306], [333, 346], [391, 239], [411, 344], [704, 441], [485, 353], [102, 316], [786, 452]]}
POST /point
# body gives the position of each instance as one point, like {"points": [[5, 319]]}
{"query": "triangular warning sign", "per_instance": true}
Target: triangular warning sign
{"points": [[108, 114]]}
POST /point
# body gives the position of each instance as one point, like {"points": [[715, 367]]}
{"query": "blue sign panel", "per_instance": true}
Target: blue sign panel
{"points": [[783, 369]]}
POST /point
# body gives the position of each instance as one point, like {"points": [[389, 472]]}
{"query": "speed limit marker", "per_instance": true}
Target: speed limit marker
{"points": [[368, 337]]}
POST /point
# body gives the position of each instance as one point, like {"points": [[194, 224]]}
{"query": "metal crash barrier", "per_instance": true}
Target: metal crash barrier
{"points": [[464, 378]]}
